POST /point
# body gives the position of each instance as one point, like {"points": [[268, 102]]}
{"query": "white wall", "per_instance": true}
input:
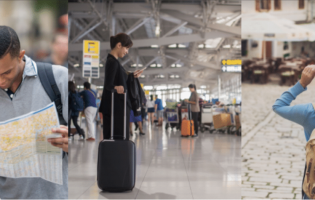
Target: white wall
{"points": [[254, 52], [277, 49], [289, 9]]}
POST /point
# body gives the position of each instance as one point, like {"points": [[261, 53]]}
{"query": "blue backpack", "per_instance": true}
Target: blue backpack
{"points": [[77, 102]]}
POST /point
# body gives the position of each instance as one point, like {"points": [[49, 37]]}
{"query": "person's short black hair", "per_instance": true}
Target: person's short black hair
{"points": [[192, 86], [71, 86], [123, 38], [9, 42], [87, 85]]}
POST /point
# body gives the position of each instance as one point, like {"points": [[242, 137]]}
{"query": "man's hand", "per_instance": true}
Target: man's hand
{"points": [[120, 89], [60, 142], [307, 75], [138, 73]]}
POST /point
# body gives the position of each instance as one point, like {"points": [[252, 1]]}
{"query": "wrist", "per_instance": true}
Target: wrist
{"points": [[303, 84]]}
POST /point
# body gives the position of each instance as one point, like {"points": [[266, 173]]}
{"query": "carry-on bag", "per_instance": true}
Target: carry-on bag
{"points": [[187, 128], [116, 166]]}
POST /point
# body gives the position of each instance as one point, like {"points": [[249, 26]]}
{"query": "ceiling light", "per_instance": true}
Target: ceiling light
{"points": [[172, 46], [76, 65], [154, 46], [101, 65], [157, 31]]}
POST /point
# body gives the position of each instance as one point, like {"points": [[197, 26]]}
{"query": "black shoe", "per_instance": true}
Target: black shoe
{"points": [[196, 135], [141, 133]]}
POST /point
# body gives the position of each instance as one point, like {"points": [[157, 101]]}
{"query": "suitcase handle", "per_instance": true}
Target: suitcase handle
{"points": [[112, 114]]}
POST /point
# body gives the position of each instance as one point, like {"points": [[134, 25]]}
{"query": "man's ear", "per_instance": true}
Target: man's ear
{"points": [[22, 53], [118, 45]]}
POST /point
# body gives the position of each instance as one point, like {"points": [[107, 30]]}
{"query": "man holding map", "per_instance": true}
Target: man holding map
{"points": [[33, 158]]}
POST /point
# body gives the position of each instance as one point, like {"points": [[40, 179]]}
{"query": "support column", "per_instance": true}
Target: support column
{"points": [[219, 86]]}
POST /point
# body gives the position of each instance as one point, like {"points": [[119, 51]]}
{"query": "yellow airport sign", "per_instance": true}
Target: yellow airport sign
{"points": [[91, 47], [231, 62]]}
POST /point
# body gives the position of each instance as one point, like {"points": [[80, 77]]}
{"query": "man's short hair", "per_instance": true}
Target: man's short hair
{"points": [[9, 42], [87, 85]]}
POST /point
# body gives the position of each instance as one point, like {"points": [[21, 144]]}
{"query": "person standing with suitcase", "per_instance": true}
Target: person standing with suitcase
{"points": [[116, 78], [195, 109]]}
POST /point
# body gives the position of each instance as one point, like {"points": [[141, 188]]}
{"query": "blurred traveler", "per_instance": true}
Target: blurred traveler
{"points": [[76, 105], [159, 110], [151, 109], [89, 98], [136, 119], [195, 109], [59, 53]]}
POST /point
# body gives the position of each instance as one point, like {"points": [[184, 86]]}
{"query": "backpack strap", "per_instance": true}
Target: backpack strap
{"points": [[47, 79]]}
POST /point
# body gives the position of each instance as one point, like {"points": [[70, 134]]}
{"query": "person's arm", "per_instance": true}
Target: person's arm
{"points": [[297, 113], [111, 71], [193, 102]]}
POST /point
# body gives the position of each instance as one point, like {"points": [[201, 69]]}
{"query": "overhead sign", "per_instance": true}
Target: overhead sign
{"points": [[231, 65], [91, 59]]}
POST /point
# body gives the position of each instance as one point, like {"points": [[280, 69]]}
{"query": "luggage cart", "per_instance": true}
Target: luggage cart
{"points": [[230, 108], [216, 111], [172, 118], [171, 115], [206, 118]]}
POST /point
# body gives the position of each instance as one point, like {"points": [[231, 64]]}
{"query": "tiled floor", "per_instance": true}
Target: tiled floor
{"points": [[273, 148], [168, 167]]}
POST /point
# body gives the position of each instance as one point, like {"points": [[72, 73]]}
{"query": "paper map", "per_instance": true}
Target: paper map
{"points": [[24, 150]]}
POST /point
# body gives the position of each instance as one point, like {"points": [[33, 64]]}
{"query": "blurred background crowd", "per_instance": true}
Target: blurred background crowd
{"points": [[42, 26]]}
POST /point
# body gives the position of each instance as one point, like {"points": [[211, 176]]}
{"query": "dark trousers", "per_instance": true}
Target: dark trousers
{"points": [[195, 118], [118, 124], [75, 122]]}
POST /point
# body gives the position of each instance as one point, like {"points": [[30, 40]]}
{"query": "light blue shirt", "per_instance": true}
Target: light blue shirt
{"points": [[302, 114]]}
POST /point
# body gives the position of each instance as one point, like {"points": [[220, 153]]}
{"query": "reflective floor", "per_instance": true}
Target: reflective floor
{"points": [[168, 167]]}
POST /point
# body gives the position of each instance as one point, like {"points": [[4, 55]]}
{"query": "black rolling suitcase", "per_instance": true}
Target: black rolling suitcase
{"points": [[116, 167]]}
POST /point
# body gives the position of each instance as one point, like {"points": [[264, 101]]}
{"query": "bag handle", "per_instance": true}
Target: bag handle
{"points": [[112, 114], [92, 93]]}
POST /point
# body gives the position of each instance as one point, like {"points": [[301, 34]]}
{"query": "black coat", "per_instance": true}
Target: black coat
{"points": [[115, 75], [136, 94]]}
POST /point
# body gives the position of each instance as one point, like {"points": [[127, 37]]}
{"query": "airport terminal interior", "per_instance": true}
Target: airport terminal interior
{"points": [[181, 42]]}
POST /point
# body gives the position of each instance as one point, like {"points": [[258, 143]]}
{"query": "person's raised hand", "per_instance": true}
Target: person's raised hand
{"points": [[138, 73], [308, 75], [61, 142], [120, 89]]}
